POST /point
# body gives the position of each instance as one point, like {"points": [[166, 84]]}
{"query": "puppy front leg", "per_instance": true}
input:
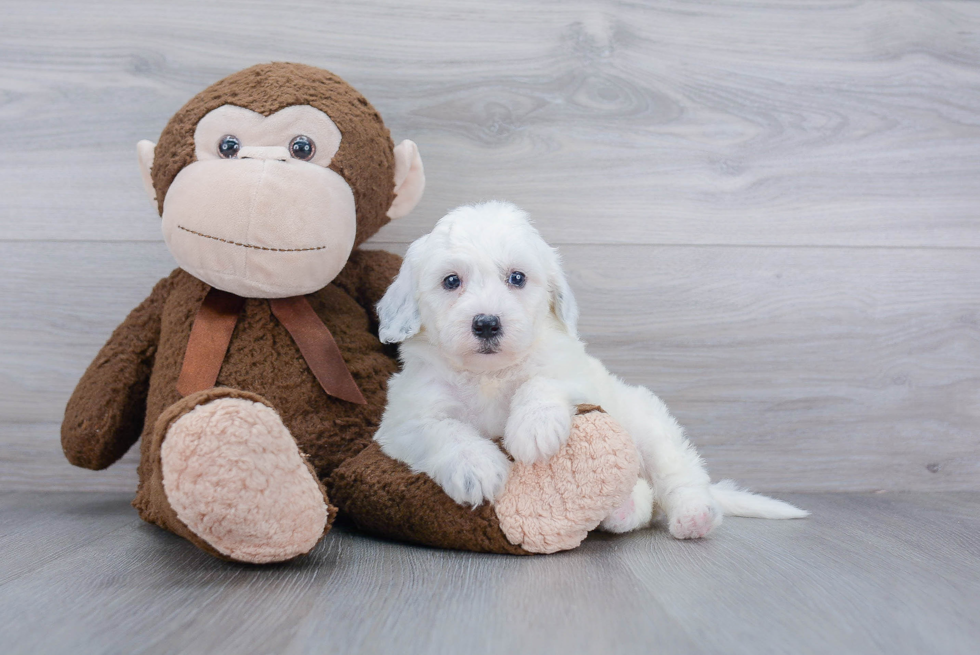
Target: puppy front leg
{"points": [[540, 420], [468, 467]]}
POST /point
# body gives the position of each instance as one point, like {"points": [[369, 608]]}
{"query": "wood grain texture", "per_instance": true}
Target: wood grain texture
{"points": [[791, 368], [768, 210], [783, 122], [882, 573]]}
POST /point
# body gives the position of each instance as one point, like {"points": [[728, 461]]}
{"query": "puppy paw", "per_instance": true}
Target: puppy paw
{"points": [[692, 513], [635, 513], [474, 473], [535, 431]]}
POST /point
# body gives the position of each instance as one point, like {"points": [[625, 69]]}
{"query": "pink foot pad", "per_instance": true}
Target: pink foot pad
{"points": [[551, 506], [692, 514], [234, 475]]}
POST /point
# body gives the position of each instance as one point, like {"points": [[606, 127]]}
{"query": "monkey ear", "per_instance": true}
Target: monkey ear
{"points": [[409, 179], [398, 309], [144, 151]]}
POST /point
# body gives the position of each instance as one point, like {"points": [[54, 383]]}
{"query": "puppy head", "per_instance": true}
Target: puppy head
{"points": [[479, 287]]}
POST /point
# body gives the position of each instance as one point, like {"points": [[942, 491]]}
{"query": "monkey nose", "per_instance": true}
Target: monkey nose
{"points": [[272, 153]]}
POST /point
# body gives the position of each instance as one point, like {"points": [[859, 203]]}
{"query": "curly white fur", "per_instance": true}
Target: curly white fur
{"points": [[453, 397]]}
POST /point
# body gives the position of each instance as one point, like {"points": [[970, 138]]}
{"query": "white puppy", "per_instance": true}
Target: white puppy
{"points": [[487, 326]]}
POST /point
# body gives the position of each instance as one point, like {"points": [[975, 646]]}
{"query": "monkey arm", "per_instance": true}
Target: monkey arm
{"points": [[105, 414], [366, 277]]}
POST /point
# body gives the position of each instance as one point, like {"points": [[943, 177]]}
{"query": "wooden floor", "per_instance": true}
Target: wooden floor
{"points": [[871, 573]]}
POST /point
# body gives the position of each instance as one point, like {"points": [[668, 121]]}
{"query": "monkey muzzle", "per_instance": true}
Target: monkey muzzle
{"points": [[261, 225]]}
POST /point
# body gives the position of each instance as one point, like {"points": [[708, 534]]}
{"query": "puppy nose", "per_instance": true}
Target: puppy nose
{"points": [[486, 326]]}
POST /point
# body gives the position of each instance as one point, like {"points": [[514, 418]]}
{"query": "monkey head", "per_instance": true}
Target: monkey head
{"points": [[268, 179]]}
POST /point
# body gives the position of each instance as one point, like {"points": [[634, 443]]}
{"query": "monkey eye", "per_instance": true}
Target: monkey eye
{"points": [[451, 282], [517, 279], [302, 148], [228, 146]]}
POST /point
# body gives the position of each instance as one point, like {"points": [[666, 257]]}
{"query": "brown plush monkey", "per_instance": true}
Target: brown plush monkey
{"points": [[253, 373]]}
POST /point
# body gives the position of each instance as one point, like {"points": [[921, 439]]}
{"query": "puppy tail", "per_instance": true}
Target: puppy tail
{"points": [[738, 502]]}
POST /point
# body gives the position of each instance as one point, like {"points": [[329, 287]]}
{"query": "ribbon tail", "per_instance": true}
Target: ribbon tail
{"points": [[211, 333], [317, 345]]}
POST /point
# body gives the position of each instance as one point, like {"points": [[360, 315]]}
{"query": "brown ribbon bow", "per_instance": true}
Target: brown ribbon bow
{"points": [[215, 323]]}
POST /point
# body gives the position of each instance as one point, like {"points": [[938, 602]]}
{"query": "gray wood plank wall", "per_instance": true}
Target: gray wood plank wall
{"points": [[769, 211]]}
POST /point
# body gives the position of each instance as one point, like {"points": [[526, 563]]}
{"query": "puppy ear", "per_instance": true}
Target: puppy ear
{"points": [[563, 302], [398, 310]]}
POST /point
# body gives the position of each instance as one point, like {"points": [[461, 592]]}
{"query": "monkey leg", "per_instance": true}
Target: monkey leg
{"points": [[545, 507], [227, 475]]}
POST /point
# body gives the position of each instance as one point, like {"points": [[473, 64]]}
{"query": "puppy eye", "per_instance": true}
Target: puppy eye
{"points": [[451, 282], [302, 148], [228, 146], [517, 279]]}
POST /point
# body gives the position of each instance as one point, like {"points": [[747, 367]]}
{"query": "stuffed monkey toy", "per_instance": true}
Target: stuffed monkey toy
{"points": [[253, 374]]}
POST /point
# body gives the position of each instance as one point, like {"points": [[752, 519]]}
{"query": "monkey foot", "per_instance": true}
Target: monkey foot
{"points": [[552, 505], [235, 477]]}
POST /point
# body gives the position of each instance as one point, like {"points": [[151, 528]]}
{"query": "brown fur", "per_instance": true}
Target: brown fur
{"points": [[132, 382], [385, 498], [263, 359], [129, 390], [366, 157]]}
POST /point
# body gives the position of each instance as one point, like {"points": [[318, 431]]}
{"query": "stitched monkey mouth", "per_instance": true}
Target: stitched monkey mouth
{"points": [[248, 245]]}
